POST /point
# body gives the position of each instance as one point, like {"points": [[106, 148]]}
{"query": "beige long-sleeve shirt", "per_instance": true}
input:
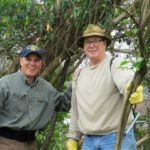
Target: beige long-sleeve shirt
{"points": [[97, 99]]}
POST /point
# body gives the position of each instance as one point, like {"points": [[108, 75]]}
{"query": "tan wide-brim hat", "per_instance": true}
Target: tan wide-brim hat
{"points": [[93, 30]]}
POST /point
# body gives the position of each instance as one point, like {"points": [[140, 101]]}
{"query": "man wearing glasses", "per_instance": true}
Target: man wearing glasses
{"points": [[97, 97]]}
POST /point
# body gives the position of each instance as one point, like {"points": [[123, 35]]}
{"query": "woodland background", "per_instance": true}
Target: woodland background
{"points": [[55, 25]]}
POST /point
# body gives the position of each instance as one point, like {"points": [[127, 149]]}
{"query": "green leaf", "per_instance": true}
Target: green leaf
{"points": [[125, 22], [138, 64], [124, 64]]}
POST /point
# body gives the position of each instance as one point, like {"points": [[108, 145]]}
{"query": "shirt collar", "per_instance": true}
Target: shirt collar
{"points": [[25, 79]]}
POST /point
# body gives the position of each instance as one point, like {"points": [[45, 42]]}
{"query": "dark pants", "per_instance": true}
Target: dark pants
{"points": [[9, 144]]}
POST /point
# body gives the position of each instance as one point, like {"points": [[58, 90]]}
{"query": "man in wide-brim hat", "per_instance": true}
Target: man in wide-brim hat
{"points": [[97, 96], [93, 30], [94, 43]]}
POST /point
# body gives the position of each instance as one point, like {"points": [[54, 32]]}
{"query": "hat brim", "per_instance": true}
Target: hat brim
{"points": [[80, 40]]}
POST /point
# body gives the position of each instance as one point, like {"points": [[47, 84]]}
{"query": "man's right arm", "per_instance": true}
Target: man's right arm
{"points": [[74, 133], [2, 94]]}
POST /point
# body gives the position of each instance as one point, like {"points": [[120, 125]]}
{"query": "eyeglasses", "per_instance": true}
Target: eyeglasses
{"points": [[94, 42]]}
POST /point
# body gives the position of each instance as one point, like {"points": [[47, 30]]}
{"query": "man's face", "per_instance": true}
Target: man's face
{"points": [[30, 65], [94, 47]]}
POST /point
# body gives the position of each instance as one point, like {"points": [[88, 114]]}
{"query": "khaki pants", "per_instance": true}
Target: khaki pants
{"points": [[9, 144]]}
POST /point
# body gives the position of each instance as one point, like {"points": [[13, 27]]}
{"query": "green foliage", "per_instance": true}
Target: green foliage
{"points": [[138, 64], [19, 21], [124, 64], [23, 22], [59, 137], [141, 129], [147, 39], [135, 65], [124, 22], [116, 12]]}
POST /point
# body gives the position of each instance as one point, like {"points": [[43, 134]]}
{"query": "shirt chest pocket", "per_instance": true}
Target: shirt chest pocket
{"points": [[41, 102], [37, 99], [41, 98], [17, 103]]}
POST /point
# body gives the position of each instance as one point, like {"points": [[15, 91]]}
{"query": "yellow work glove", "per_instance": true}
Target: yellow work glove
{"points": [[137, 96], [72, 145]]}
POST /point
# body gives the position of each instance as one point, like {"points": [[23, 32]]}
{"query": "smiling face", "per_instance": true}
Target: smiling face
{"points": [[30, 65], [94, 48]]}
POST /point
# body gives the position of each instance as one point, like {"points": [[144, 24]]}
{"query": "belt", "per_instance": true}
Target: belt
{"points": [[22, 136]]}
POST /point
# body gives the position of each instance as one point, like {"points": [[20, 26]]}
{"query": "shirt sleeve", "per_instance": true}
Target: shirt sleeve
{"points": [[74, 131], [2, 94], [121, 76], [62, 100]]}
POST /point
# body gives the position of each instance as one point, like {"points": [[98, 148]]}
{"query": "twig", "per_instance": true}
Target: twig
{"points": [[142, 140]]}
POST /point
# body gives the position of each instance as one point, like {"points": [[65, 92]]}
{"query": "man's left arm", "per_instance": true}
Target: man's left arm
{"points": [[123, 79], [62, 100]]}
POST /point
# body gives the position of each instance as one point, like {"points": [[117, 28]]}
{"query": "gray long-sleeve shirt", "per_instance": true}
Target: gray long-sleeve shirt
{"points": [[29, 107]]}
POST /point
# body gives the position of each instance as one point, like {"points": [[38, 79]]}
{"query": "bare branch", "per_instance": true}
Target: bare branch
{"points": [[124, 15], [141, 141], [126, 51], [145, 14]]}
